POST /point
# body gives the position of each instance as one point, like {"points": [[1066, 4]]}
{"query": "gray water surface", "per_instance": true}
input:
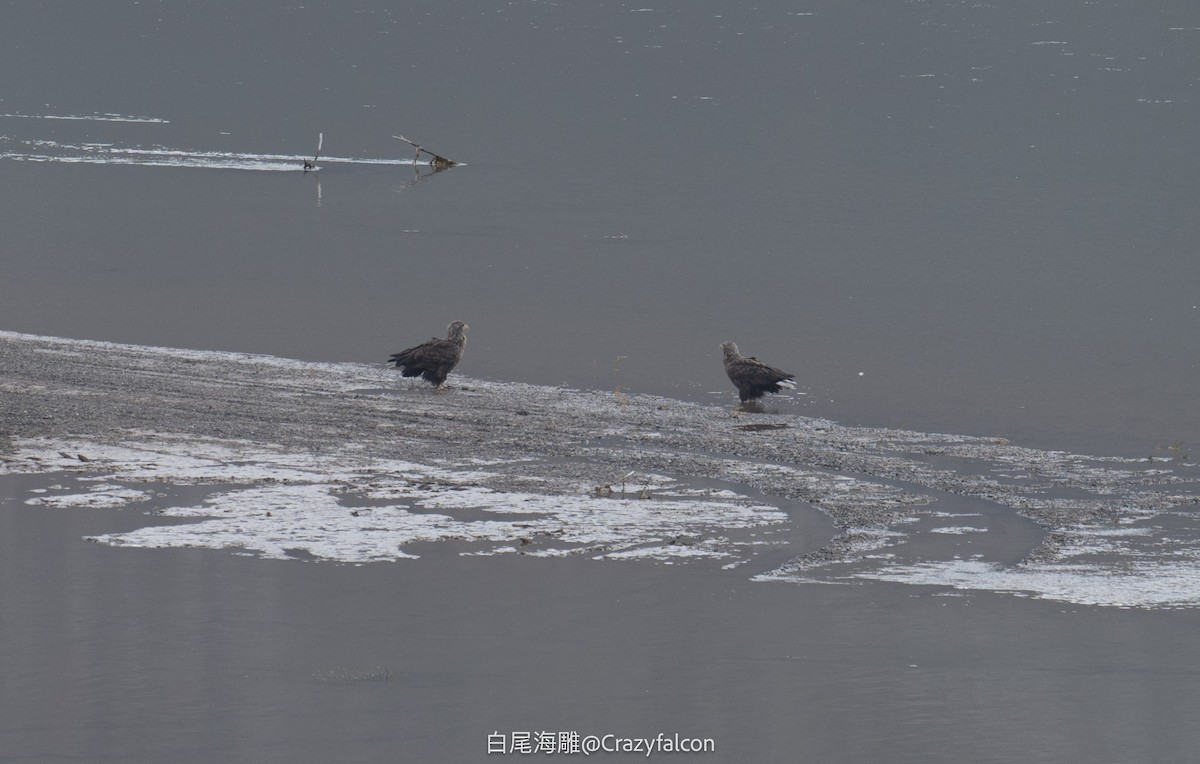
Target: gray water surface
{"points": [[946, 216]]}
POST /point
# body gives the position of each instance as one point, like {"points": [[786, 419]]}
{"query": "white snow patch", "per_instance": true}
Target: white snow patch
{"points": [[159, 156], [99, 496], [349, 507], [1156, 585]]}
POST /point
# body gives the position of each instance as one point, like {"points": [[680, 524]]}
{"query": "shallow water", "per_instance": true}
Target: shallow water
{"points": [[237, 658]]}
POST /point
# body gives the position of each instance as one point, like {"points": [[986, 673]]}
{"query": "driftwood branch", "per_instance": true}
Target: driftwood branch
{"points": [[436, 160], [313, 164]]}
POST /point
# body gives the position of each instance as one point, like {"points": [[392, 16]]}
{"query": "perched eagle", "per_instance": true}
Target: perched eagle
{"points": [[434, 359], [751, 376]]}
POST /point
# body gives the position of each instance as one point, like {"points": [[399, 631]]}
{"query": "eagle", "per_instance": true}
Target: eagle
{"points": [[751, 376], [434, 359]]}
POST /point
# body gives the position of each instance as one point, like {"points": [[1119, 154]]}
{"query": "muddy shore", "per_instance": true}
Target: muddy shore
{"points": [[98, 410]]}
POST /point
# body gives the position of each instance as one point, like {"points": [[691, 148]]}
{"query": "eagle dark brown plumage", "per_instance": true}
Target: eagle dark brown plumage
{"points": [[752, 377], [433, 360]]}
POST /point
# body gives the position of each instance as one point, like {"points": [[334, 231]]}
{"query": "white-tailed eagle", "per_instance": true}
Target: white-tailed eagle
{"points": [[434, 359], [752, 377]]}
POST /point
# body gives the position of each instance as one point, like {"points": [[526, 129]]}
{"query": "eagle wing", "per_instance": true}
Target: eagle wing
{"points": [[754, 373], [753, 378], [433, 359]]}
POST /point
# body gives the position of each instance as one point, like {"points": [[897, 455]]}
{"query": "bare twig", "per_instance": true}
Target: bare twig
{"points": [[313, 164], [436, 160]]}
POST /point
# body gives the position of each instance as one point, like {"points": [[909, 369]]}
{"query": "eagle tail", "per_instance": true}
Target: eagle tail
{"points": [[404, 361]]}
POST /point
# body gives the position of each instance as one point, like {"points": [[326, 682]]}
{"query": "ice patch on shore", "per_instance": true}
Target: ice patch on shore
{"points": [[162, 156], [1144, 585], [98, 496], [344, 507], [89, 117], [1150, 560], [1144, 556]]}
